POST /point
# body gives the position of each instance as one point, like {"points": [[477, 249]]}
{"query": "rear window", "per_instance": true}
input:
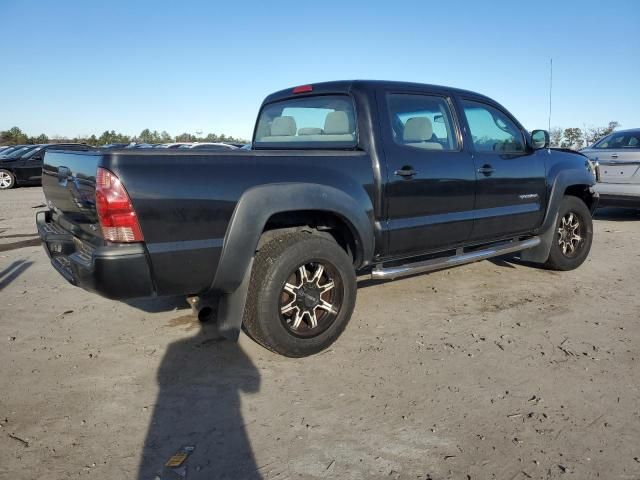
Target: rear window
{"points": [[313, 122]]}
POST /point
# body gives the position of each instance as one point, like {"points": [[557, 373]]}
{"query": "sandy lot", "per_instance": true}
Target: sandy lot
{"points": [[491, 370]]}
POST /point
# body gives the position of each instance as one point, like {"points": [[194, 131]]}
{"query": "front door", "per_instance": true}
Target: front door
{"points": [[430, 179], [511, 188]]}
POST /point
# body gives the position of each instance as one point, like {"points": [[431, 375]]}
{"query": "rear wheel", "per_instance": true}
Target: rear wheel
{"points": [[301, 295], [7, 180], [572, 237]]}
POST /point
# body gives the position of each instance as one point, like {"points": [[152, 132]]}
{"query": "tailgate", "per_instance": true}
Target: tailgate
{"points": [[69, 181]]}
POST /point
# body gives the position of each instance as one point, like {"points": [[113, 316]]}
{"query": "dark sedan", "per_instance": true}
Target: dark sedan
{"points": [[23, 166]]}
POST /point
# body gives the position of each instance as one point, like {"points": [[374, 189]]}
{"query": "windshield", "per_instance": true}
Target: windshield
{"points": [[326, 121]]}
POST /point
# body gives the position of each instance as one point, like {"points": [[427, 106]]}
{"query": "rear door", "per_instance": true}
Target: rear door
{"points": [[511, 187], [430, 179], [619, 157]]}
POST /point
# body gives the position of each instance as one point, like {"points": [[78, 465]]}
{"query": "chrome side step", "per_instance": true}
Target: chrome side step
{"points": [[511, 246]]}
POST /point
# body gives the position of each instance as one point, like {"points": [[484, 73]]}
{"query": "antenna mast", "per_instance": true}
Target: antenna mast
{"points": [[550, 89]]}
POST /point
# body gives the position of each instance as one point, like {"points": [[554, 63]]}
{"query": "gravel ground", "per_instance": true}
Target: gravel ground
{"points": [[491, 370]]}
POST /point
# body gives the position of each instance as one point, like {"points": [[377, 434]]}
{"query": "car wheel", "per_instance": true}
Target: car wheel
{"points": [[301, 294], [7, 180], [572, 237]]}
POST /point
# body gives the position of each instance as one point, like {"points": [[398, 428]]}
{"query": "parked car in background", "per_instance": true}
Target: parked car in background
{"points": [[617, 157], [24, 166], [141, 145], [208, 146], [385, 178], [114, 145], [16, 150], [173, 145]]}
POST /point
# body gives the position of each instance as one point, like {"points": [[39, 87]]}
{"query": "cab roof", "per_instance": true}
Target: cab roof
{"points": [[346, 86]]}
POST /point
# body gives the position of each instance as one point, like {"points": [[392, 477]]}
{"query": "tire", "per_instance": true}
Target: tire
{"points": [[7, 179], [282, 304], [574, 220]]}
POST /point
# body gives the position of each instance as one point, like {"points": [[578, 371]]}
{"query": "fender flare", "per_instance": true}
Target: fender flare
{"points": [[563, 180], [258, 204]]}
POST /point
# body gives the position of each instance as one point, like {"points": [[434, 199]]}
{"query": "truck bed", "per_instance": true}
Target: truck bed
{"points": [[185, 200]]}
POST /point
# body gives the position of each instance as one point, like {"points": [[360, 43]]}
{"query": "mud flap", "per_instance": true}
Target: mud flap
{"points": [[540, 254], [231, 308]]}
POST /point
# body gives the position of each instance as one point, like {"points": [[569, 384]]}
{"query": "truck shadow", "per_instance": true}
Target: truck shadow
{"points": [[200, 381], [7, 247], [12, 272], [159, 304]]}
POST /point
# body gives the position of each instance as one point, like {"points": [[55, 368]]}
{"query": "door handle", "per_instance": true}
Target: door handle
{"points": [[406, 172], [614, 155], [486, 170]]}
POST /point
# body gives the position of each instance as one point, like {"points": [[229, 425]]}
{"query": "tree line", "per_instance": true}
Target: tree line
{"points": [[573, 138], [576, 138], [15, 136]]}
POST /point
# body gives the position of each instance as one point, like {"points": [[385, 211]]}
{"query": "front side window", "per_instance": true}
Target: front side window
{"points": [[620, 140], [326, 121], [491, 130], [422, 121]]}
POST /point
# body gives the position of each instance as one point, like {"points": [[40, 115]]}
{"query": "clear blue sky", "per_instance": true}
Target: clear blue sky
{"points": [[81, 67]]}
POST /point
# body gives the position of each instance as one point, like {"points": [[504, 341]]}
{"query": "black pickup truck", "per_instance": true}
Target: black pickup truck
{"points": [[343, 178]]}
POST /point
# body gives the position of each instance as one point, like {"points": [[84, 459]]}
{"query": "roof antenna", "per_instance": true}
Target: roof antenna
{"points": [[550, 89]]}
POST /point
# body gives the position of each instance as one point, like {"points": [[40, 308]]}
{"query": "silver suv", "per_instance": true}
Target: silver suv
{"points": [[618, 158]]}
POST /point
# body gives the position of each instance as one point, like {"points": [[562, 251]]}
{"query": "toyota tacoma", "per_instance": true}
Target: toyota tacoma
{"points": [[343, 178]]}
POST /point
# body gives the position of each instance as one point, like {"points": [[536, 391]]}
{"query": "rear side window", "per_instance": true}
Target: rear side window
{"points": [[326, 121], [491, 129], [422, 121]]}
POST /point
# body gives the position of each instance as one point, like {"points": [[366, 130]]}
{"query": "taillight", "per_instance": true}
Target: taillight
{"points": [[118, 220]]}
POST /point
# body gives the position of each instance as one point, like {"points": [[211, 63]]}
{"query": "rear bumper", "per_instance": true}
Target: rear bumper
{"points": [[113, 271]]}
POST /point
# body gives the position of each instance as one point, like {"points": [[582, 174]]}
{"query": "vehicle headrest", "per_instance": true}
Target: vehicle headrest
{"points": [[283, 126], [310, 131], [417, 129], [336, 123]]}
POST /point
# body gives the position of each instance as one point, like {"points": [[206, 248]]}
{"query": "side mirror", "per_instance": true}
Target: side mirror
{"points": [[540, 139]]}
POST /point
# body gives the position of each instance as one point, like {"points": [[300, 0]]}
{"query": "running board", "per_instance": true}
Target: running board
{"points": [[389, 273]]}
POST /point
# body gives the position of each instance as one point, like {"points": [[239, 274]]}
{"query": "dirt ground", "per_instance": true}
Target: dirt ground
{"points": [[491, 370]]}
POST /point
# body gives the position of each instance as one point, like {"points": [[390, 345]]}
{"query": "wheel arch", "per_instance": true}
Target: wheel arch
{"points": [[268, 208], [584, 193]]}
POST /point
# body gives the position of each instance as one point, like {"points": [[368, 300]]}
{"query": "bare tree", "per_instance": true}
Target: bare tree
{"points": [[555, 136]]}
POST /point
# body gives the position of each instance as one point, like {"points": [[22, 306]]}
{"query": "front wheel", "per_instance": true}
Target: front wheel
{"points": [[7, 180], [572, 237], [301, 294]]}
